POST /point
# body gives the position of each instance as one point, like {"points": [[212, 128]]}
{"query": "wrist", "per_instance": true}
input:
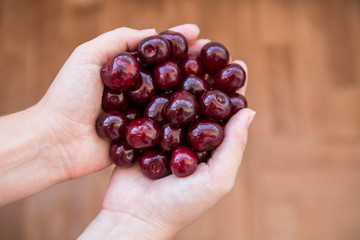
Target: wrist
{"points": [[111, 225]]}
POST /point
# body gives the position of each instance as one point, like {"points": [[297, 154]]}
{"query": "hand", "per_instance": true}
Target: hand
{"points": [[136, 207]]}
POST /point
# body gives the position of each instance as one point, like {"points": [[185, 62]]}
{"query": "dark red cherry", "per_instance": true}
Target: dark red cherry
{"points": [[122, 154], [155, 164], [181, 108], [238, 102], [191, 65], [211, 81], [114, 100], [183, 161], [203, 156], [120, 72], [167, 75], [214, 57], [205, 135], [230, 78], [155, 108], [154, 49], [215, 104], [178, 44], [111, 125], [133, 113], [170, 137], [194, 85], [143, 89], [142, 133]]}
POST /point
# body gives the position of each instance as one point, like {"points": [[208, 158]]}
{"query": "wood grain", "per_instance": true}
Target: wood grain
{"points": [[300, 178]]}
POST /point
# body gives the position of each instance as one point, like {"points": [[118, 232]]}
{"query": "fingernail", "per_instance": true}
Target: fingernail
{"points": [[149, 30], [250, 119]]}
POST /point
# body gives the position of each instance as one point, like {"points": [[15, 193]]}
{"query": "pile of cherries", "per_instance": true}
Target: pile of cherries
{"points": [[167, 108]]}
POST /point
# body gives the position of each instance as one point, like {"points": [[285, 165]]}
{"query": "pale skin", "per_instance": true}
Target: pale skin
{"points": [[55, 140]]}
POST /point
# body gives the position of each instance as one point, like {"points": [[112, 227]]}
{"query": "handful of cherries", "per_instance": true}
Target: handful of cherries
{"points": [[166, 107]]}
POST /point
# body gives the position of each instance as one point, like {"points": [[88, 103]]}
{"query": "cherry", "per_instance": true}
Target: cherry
{"points": [[120, 72], [214, 57], [132, 114], [142, 133], [183, 161], [167, 75], [191, 64], [122, 154], [155, 164], [215, 104], [155, 108], [203, 156], [230, 78], [170, 137], [238, 102], [153, 50], [114, 100], [181, 108], [111, 125], [178, 44], [205, 135], [194, 85], [143, 89]]}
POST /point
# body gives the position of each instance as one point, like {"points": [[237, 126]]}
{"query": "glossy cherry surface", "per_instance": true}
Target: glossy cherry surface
{"points": [[142, 133], [170, 137], [143, 89], [183, 161], [205, 135], [238, 102], [155, 108], [155, 164], [120, 72], [230, 78], [111, 125], [133, 113], [215, 104], [214, 57], [178, 44], [194, 85], [181, 108], [167, 75], [114, 100], [203, 156], [191, 64], [122, 154], [153, 49]]}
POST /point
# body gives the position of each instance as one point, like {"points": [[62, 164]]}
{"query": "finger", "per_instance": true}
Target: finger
{"points": [[226, 159], [107, 45], [196, 46], [190, 31], [244, 66]]}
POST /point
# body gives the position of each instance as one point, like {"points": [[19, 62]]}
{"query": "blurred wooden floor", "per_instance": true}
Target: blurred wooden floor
{"points": [[300, 179]]}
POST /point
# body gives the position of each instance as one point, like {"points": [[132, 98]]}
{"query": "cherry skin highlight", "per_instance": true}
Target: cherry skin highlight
{"points": [[133, 113], [230, 78], [203, 156], [194, 85], [153, 50], [183, 161], [120, 72], [142, 133], [181, 108], [215, 104], [178, 44], [111, 125], [191, 64], [114, 101], [122, 154], [167, 75], [205, 135], [170, 137], [214, 57], [143, 89], [155, 164], [155, 108]]}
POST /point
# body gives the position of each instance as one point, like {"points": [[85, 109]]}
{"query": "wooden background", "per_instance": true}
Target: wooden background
{"points": [[300, 178]]}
